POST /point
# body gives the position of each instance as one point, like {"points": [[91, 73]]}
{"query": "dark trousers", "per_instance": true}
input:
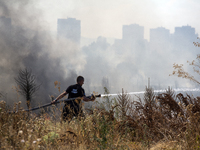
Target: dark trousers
{"points": [[70, 111]]}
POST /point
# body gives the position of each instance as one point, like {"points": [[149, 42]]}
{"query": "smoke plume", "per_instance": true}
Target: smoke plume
{"points": [[24, 43]]}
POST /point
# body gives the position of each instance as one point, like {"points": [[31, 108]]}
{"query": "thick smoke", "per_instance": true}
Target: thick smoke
{"points": [[24, 43], [124, 64], [128, 65]]}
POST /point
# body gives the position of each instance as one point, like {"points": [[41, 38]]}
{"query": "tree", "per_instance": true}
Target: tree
{"points": [[27, 85], [180, 72]]}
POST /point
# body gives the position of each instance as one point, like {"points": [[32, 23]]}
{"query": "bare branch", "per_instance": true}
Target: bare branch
{"points": [[179, 71]]}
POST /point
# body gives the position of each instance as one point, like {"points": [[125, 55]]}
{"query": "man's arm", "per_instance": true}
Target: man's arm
{"points": [[88, 99], [60, 96]]}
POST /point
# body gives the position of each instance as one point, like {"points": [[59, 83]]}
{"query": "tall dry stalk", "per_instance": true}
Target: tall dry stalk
{"points": [[124, 104]]}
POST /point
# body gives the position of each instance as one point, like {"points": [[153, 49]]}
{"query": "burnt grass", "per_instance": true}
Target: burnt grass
{"points": [[126, 124]]}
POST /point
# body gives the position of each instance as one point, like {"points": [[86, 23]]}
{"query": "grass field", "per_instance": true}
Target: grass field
{"points": [[167, 121]]}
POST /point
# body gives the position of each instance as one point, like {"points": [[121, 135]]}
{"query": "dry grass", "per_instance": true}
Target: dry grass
{"points": [[167, 121]]}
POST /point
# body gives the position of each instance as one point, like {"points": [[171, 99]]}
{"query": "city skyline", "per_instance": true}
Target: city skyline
{"points": [[105, 18], [133, 32], [129, 32]]}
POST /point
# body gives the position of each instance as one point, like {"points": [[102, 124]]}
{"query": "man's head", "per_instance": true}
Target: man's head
{"points": [[80, 80]]}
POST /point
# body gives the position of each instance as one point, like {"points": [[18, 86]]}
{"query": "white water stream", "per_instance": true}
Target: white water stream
{"points": [[156, 91]]}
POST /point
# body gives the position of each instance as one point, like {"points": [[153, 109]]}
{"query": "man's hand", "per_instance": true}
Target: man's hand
{"points": [[54, 101], [59, 97], [88, 99], [93, 98]]}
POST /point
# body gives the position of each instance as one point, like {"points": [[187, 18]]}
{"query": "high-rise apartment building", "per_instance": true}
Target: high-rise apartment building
{"points": [[133, 32], [159, 35], [133, 38], [183, 38], [69, 28], [185, 34], [159, 39]]}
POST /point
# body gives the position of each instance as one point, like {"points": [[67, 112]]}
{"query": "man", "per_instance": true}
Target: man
{"points": [[74, 107]]}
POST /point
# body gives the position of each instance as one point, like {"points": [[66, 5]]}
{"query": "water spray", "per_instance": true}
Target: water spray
{"points": [[115, 94], [155, 91]]}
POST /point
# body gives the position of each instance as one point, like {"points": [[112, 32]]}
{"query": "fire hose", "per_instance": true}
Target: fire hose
{"points": [[60, 101]]}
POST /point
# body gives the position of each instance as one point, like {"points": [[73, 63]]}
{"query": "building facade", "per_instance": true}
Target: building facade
{"points": [[70, 29]]}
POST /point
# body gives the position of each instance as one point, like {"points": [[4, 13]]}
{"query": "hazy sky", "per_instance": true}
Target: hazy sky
{"points": [[106, 17], [98, 18]]}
